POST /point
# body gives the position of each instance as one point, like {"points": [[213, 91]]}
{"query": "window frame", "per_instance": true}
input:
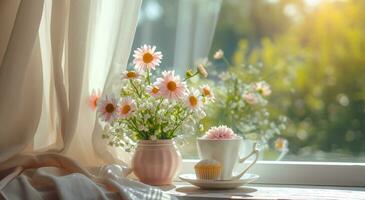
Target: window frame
{"points": [[302, 173]]}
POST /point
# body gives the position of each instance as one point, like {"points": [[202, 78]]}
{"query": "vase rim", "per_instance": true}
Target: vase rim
{"points": [[151, 142]]}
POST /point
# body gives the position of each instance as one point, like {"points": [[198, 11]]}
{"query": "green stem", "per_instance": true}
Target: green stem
{"points": [[235, 87], [133, 127], [138, 131], [225, 111], [158, 106], [179, 124], [187, 78], [132, 123], [135, 88], [148, 77], [226, 61]]}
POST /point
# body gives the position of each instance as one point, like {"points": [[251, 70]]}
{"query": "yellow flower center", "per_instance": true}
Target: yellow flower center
{"points": [[171, 85], [279, 144], [193, 101], [206, 91], [125, 109], [155, 90], [147, 58], [131, 74], [109, 108], [260, 90]]}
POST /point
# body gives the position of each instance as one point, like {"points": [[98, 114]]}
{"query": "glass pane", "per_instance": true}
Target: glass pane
{"points": [[311, 52]]}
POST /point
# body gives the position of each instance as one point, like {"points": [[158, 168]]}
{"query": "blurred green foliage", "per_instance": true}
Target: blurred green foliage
{"points": [[314, 59]]}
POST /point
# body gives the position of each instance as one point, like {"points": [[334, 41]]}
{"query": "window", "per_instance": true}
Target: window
{"points": [[315, 50], [313, 53]]}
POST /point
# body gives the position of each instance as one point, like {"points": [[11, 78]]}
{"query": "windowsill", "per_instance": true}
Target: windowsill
{"points": [[302, 173], [184, 190]]}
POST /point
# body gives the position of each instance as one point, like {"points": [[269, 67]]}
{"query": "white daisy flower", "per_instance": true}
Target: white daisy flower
{"points": [[170, 86], [281, 144], [207, 92], [107, 108], [146, 57], [131, 75], [153, 90], [193, 100], [262, 88], [126, 107]]}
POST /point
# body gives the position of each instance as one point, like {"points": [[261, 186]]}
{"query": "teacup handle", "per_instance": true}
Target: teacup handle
{"points": [[255, 152]]}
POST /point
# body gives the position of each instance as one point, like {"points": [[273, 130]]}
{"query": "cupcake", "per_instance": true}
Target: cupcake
{"points": [[208, 169]]}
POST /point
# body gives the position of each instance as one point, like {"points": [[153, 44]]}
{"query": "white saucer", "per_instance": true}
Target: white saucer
{"points": [[218, 184]]}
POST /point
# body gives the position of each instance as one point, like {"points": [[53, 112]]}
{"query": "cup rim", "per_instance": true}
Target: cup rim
{"points": [[233, 139]]}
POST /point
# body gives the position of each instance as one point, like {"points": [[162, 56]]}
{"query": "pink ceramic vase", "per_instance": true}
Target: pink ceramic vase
{"points": [[156, 162]]}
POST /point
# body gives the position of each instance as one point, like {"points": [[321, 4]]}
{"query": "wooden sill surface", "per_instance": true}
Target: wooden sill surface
{"points": [[184, 190]]}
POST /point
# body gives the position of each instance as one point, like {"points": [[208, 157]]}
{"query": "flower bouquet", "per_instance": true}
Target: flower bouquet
{"points": [[242, 103], [149, 112]]}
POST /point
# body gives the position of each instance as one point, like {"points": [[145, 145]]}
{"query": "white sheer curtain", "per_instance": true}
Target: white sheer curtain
{"points": [[182, 29], [79, 54], [196, 22], [52, 54]]}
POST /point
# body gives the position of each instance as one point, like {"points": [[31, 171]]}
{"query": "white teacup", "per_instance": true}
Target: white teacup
{"points": [[226, 152]]}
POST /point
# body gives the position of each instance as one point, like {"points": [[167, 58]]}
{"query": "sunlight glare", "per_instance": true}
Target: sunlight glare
{"points": [[312, 2], [290, 10]]}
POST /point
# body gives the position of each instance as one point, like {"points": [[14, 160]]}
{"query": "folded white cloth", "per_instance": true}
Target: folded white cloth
{"points": [[61, 179]]}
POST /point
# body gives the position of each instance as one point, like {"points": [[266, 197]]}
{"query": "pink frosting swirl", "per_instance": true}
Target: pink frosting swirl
{"points": [[220, 133]]}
